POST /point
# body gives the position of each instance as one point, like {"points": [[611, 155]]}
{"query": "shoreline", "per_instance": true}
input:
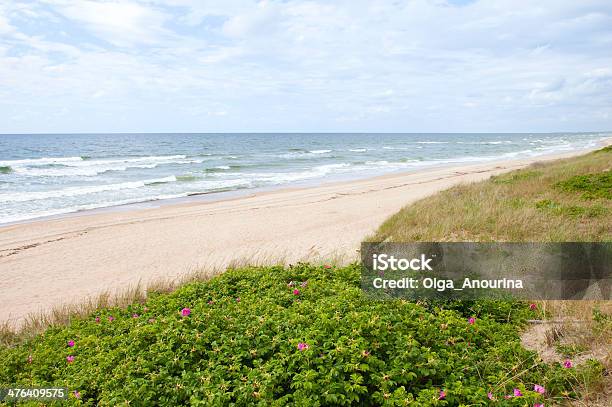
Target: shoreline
{"points": [[216, 196], [47, 263]]}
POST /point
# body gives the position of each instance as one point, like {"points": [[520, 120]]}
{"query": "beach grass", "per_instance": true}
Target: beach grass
{"points": [[565, 200]]}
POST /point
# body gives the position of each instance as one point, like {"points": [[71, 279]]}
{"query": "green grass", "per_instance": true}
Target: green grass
{"points": [[572, 211], [571, 350], [591, 186], [230, 352], [517, 176], [606, 149]]}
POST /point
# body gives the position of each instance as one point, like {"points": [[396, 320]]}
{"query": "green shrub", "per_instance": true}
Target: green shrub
{"points": [[592, 186], [571, 211], [249, 339]]}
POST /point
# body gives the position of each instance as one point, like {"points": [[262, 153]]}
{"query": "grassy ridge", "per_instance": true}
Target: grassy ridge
{"points": [[565, 200], [251, 338]]}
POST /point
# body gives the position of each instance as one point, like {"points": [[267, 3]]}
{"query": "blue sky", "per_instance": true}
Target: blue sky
{"points": [[237, 65]]}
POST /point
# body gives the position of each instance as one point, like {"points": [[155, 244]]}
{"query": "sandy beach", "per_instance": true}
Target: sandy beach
{"points": [[52, 262]]}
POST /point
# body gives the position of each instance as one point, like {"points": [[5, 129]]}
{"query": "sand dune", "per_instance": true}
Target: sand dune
{"points": [[60, 261]]}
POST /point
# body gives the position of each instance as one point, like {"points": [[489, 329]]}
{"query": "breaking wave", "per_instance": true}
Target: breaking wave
{"points": [[81, 190]]}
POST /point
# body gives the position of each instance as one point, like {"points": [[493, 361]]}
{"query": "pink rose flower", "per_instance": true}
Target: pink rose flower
{"points": [[539, 389], [71, 343], [472, 320], [238, 299], [296, 292], [70, 359], [302, 346], [185, 312], [76, 394], [490, 396], [567, 364], [538, 405], [517, 393], [442, 395], [533, 307], [97, 320], [111, 319]]}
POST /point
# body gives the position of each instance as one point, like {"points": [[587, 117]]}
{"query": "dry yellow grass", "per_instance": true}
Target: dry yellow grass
{"points": [[572, 332], [519, 206]]}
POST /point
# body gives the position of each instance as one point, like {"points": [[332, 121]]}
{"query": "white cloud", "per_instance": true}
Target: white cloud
{"points": [[5, 26], [197, 10], [217, 113], [260, 20], [120, 23], [312, 65]]}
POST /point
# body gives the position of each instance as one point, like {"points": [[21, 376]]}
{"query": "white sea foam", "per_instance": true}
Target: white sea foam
{"points": [[40, 161], [485, 142], [397, 148], [73, 171], [385, 166], [80, 190], [207, 185], [304, 154], [77, 166], [71, 209], [276, 178]]}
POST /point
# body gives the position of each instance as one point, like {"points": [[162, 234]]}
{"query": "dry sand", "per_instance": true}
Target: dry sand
{"points": [[60, 261]]}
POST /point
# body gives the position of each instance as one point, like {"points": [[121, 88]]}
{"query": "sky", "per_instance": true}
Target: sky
{"points": [[305, 66]]}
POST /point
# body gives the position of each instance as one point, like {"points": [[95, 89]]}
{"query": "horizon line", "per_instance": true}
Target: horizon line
{"points": [[306, 132]]}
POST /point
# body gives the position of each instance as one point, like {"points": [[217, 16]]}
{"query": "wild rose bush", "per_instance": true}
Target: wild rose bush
{"points": [[251, 337]]}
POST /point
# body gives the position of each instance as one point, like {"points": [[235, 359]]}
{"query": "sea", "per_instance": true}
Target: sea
{"points": [[45, 175]]}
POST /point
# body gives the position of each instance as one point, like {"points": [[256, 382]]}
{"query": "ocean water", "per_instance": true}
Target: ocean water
{"points": [[43, 175]]}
